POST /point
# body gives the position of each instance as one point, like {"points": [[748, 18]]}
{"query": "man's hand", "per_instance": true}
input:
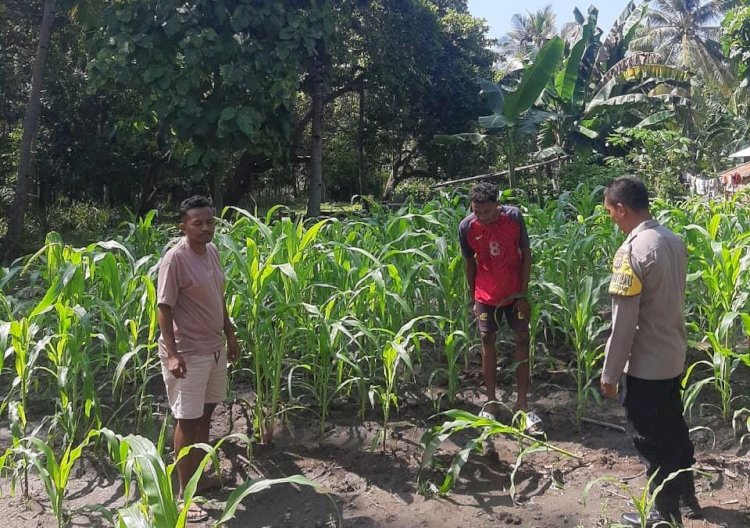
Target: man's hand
{"points": [[609, 389], [523, 308], [176, 366], [233, 348]]}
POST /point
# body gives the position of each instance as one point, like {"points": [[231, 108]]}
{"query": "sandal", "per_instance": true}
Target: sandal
{"points": [[196, 513], [487, 414], [533, 424]]}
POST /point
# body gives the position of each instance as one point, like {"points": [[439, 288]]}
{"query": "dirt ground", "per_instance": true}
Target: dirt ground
{"points": [[365, 487]]}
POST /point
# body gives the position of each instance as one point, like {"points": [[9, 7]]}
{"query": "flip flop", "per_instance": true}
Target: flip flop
{"points": [[487, 415], [534, 426], [196, 513]]}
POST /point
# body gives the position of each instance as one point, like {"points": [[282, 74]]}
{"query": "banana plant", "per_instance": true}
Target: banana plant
{"points": [[513, 113]]}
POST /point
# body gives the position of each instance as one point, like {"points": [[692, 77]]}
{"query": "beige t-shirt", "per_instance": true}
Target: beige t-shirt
{"points": [[648, 305], [193, 286]]}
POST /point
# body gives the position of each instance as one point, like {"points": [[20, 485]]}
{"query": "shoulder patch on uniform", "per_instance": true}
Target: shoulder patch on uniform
{"points": [[624, 281]]}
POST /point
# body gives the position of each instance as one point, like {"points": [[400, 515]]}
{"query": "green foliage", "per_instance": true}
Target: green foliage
{"points": [[460, 421], [190, 63], [686, 35], [512, 113], [342, 313], [80, 216], [659, 157], [644, 501], [418, 189], [599, 88], [54, 474], [588, 171], [736, 37]]}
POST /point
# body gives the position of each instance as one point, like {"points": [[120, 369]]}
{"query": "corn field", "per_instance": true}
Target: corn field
{"points": [[333, 312]]}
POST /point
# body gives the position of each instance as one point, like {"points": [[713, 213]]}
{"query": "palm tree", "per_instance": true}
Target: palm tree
{"points": [[529, 33], [686, 33]]}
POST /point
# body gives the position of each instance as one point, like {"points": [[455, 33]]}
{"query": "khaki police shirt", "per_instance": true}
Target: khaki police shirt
{"points": [[648, 299]]}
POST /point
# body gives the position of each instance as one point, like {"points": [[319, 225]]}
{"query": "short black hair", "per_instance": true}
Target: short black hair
{"points": [[484, 193], [197, 201], [628, 191]]}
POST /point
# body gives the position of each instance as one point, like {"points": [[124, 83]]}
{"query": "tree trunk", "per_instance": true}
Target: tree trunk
{"points": [[393, 180], [315, 189], [361, 141], [511, 161], [240, 180], [217, 192], [11, 244], [145, 193]]}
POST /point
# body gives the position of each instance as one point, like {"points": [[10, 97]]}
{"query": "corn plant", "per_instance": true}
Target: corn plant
{"points": [[23, 331], [25, 348], [723, 275], [255, 486], [54, 474], [722, 362], [578, 312], [331, 369], [453, 344], [460, 420], [644, 501], [396, 352], [143, 236], [70, 367], [138, 459]]}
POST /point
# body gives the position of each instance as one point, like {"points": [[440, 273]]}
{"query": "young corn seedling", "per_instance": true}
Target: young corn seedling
{"points": [[138, 458], [397, 351], [741, 425], [452, 346], [54, 474], [460, 420], [644, 501], [327, 359], [579, 313]]}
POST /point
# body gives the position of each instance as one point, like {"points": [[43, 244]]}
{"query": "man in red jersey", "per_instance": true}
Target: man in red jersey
{"points": [[496, 250]]}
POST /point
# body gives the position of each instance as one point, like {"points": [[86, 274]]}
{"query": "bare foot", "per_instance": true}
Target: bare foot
{"points": [[211, 483]]}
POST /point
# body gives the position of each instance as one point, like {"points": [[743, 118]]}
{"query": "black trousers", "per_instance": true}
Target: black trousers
{"points": [[658, 430]]}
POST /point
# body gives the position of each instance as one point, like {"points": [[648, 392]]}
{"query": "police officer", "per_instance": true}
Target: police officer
{"points": [[646, 350]]}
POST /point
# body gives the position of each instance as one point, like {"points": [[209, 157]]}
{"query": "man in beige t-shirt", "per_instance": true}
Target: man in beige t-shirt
{"points": [[193, 321]]}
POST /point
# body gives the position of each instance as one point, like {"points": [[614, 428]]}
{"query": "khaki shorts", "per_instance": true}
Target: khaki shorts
{"points": [[205, 382]]}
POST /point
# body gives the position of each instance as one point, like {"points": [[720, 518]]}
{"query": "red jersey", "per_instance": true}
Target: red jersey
{"points": [[496, 248]]}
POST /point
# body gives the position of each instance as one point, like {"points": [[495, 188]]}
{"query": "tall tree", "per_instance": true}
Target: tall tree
{"points": [[686, 32], [598, 90], [529, 31], [736, 39], [222, 75], [30, 130], [425, 68]]}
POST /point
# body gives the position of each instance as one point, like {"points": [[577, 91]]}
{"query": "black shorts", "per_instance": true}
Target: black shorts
{"points": [[489, 318]]}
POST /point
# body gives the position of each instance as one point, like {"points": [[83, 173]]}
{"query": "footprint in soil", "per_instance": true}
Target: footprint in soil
{"points": [[508, 518]]}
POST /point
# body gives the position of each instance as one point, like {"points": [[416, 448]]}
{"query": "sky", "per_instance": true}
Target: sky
{"points": [[499, 12]]}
